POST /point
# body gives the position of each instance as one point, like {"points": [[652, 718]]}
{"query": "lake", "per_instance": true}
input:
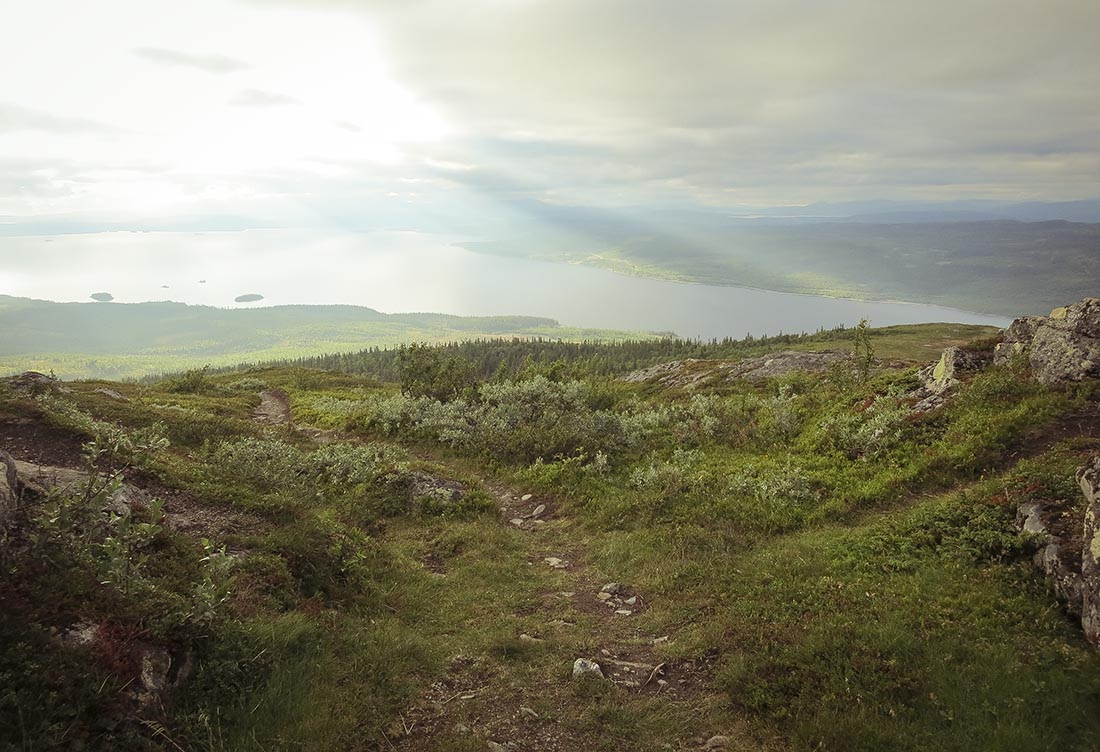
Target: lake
{"points": [[397, 272]]}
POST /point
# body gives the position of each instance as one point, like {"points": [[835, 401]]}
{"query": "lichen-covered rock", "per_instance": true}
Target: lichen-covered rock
{"points": [[672, 370], [426, 484], [788, 361], [1061, 347], [939, 378], [1059, 557], [1017, 338], [690, 373], [1070, 555], [1089, 478]]}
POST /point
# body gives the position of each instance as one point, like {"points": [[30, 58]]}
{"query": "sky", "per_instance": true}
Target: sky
{"points": [[307, 112]]}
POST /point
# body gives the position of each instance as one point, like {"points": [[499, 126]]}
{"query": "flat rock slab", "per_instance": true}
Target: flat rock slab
{"points": [[690, 373]]}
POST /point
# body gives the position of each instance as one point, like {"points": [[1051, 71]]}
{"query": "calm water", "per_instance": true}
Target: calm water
{"points": [[403, 272]]}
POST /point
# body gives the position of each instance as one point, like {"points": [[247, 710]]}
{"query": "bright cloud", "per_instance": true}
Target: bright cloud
{"points": [[143, 108]]}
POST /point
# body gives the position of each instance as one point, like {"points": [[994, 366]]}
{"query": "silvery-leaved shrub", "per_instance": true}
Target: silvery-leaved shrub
{"points": [[871, 431], [674, 475]]}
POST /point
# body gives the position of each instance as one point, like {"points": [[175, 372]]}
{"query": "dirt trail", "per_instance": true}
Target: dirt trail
{"points": [[585, 614], [274, 408]]}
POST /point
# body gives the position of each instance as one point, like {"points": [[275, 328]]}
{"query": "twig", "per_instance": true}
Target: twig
{"points": [[463, 692], [658, 670]]}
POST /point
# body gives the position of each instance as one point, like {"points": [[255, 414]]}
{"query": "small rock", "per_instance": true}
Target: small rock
{"points": [[662, 682], [659, 640], [517, 521], [462, 728], [528, 713], [538, 511], [526, 497], [613, 588], [497, 747], [562, 623], [111, 393], [82, 633], [539, 522], [528, 638], [583, 666], [623, 611], [717, 742], [603, 596], [605, 651], [631, 600], [555, 562]]}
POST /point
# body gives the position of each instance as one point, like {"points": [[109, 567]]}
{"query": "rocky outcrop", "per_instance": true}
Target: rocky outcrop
{"points": [[691, 373], [1061, 347], [41, 479], [667, 374], [1070, 552], [1089, 478], [940, 378], [31, 383], [1059, 556]]}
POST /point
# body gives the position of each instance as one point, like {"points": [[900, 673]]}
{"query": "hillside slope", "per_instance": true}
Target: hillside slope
{"points": [[115, 340], [801, 561]]}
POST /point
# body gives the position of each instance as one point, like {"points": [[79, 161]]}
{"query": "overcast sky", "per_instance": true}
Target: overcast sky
{"points": [[122, 109]]}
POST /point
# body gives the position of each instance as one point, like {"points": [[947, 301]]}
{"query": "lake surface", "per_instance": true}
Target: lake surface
{"points": [[397, 272]]}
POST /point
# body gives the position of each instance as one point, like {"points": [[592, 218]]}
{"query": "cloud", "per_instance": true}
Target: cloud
{"points": [[15, 118], [489, 105], [261, 98], [219, 64], [760, 100]]}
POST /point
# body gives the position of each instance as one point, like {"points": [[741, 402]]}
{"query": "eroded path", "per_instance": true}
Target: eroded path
{"points": [[274, 407], [518, 600], [514, 688]]}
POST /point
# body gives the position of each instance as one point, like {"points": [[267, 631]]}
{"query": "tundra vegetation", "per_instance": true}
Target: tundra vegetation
{"points": [[808, 562]]}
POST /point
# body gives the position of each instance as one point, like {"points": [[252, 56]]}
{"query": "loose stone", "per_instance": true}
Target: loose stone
{"points": [[583, 667]]}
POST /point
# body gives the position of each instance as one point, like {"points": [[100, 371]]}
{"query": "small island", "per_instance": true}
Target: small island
{"points": [[249, 298], [102, 297]]}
